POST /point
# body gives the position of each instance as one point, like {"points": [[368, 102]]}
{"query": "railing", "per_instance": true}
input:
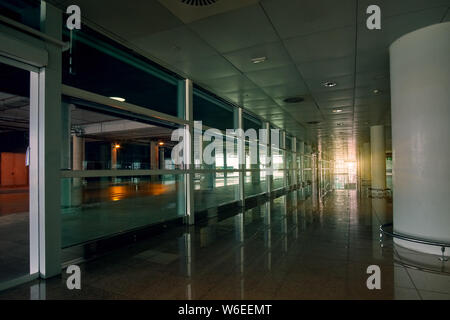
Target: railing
{"points": [[400, 236]]}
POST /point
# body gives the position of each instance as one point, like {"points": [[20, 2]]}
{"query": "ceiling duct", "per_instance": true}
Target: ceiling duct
{"points": [[199, 2], [192, 10]]}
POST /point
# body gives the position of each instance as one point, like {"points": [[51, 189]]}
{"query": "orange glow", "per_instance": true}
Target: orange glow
{"points": [[161, 143], [117, 146], [120, 192]]}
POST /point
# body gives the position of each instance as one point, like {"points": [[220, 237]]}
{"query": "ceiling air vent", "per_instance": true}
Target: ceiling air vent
{"points": [[313, 122], [199, 3], [294, 100]]}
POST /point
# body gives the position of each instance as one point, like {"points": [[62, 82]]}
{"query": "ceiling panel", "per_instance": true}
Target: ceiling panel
{"points": [[373, 61], [207, 68], [174, 45], [391, 8], [376, 77], [286, 90], [245, 95], [275, 54], [276, 76], [260, 104], [330, 104], [447, 16], [325, 69], [296, 18], [373, 100], [325, 45], [236, 30], [334, 95], [233, 83], [128, 24]]}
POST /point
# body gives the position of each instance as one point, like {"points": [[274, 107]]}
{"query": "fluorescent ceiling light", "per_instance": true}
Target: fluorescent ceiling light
{"points": [[118, 99], [259, 60]]}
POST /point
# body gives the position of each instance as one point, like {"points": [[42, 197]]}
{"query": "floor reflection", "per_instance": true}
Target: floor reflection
{"points": [[287, 248]]}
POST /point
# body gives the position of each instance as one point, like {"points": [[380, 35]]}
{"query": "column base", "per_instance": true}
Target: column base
{"points": [[422, 248]]}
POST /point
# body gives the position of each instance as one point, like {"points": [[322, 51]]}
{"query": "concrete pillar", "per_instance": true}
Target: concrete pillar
{"points": [[154, 155], [420, 100], [77, 164], [78, 152], [114, 152], [378, 159], [154, 159]]}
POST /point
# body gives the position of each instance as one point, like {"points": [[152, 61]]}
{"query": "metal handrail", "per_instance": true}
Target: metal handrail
{"points": [[397, 235]]}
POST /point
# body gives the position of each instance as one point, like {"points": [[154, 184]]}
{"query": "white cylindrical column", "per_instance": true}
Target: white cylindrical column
{"points": [[420, 78], [378, 159], [367, 164]]}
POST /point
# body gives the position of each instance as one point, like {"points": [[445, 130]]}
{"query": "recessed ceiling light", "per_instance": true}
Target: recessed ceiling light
{"points": [[337, 110], [118, 99], [329, 84], [294, 100], [259, 60], [376, 91], [340, 124]]}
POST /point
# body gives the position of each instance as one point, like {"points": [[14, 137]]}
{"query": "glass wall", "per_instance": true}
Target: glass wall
{"points": [[96, 64], [118, 167], [118, 173]]}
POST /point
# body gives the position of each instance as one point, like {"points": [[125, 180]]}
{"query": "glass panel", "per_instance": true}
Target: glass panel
{"points": [[288, 143], [100, 207], [97, 64], [14, 172], [211, 112], [211, 191], [99, 138], [255, 183], [278, 164], [27, 12], [278, 179]]}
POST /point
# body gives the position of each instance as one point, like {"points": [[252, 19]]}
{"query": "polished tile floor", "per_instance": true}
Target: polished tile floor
{"points": [[287, 248]]}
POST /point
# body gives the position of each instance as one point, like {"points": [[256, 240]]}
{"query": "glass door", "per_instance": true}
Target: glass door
{"points": [[18, 165]]}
